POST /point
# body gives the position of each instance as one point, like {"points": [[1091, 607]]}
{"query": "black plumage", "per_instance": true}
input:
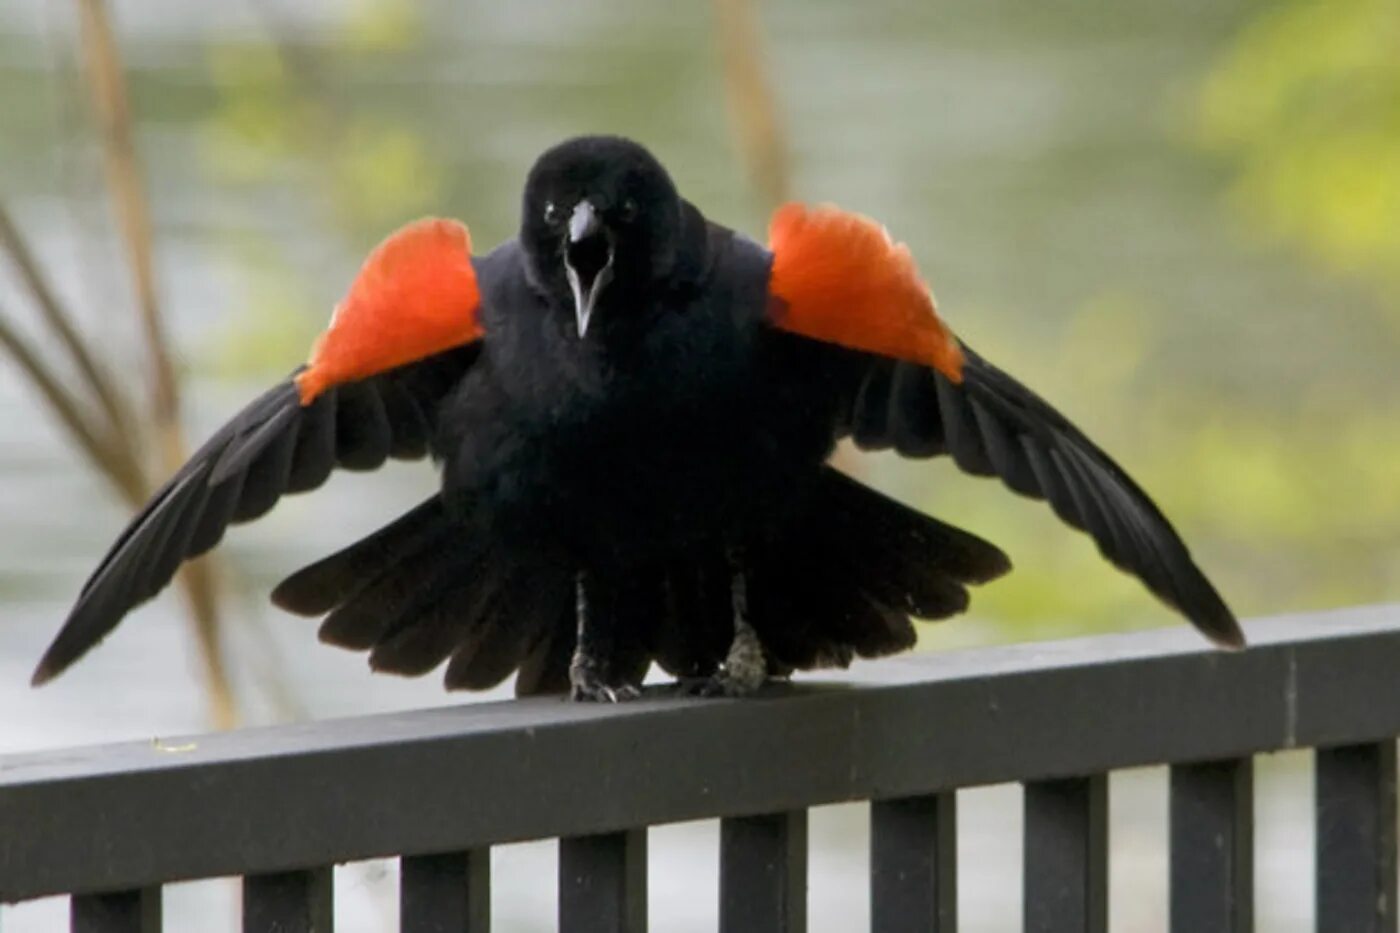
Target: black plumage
{"points": [[633, 471]]}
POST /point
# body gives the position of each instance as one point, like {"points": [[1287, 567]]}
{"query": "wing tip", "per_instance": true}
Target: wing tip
{"points": [[1214, 619], [1226, 635], [44, 672], [55, 661], [78, 635]]}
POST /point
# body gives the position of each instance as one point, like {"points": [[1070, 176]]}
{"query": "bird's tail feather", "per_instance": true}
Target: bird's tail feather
{"points": [[852, 573], [418, 592], [842, 580]]}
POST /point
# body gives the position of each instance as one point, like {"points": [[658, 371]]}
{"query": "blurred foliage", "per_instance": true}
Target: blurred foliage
{"points": [[279, 121], [1296, 499], [1307, 104]]}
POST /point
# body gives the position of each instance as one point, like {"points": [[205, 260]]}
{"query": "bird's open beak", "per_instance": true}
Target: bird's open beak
{"points": [[588, 261]]}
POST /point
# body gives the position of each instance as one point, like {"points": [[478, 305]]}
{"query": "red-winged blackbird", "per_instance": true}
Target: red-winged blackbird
{"points": [[633, 408]]}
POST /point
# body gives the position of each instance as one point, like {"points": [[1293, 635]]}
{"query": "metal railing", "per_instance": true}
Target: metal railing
{"points": [[279, 806]]}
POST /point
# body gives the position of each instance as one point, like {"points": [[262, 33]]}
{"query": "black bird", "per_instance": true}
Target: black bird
{"points": [[632, 409]]}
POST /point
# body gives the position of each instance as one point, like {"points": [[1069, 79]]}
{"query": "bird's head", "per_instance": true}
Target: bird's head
{"points": [[601, 222]]}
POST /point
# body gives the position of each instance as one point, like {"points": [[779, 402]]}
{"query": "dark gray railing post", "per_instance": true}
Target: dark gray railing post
{"points": [[913, 864], [603, 883], [1212, 847], [1066, 855], [118, 912], [763, 873], [289, 902], [447, 893], [1356, 838]]}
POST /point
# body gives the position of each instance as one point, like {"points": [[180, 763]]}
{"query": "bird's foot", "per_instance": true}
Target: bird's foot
{"points": [[722, 684], [603, 693], [586, 684], [745, 667], [744, 671]]}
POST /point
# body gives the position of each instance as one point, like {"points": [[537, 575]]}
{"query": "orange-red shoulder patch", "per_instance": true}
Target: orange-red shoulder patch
{"points": [[416, 295], [839, 278]]}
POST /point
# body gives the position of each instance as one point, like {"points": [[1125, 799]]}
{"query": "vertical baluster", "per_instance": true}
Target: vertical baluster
{"points": [[1066, 855], [1356, 838], [603, 883], [446, 893], [913, 864], [289, 902], [763, 873], [135, 911], [1212, 847]]}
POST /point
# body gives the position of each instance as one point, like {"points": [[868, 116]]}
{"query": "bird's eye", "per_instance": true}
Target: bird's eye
{"points": [[552, 214], [627, 210]]}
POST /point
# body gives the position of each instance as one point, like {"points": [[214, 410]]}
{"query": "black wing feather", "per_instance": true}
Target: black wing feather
{"points": [[265, 479], [991, 425], [216, 515], [315, 453], [363, 435], [273, 447], [412, 430], [914, 422]]}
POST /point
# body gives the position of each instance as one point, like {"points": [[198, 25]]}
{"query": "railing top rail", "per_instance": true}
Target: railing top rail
{"points": [[123, 816]]}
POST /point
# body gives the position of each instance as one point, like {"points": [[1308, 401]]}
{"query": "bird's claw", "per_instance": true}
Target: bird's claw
{"points": [[721, 683], [602, 693], [589, 688], [744, 671]]}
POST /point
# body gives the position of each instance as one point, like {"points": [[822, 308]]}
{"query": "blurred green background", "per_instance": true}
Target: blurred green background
{"points": [[1178, 221]]}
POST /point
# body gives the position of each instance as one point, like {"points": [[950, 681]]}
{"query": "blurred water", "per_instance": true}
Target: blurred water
{"points": [[1030, 159]]}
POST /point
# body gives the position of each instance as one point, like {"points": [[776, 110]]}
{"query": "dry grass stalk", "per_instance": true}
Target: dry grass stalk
{"points": [[107, 83], [58, 320], [111, 458], [753, 105]]}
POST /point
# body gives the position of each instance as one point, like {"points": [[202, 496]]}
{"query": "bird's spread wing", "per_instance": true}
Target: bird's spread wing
{"points": [[400, 340], [897, 378]]}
